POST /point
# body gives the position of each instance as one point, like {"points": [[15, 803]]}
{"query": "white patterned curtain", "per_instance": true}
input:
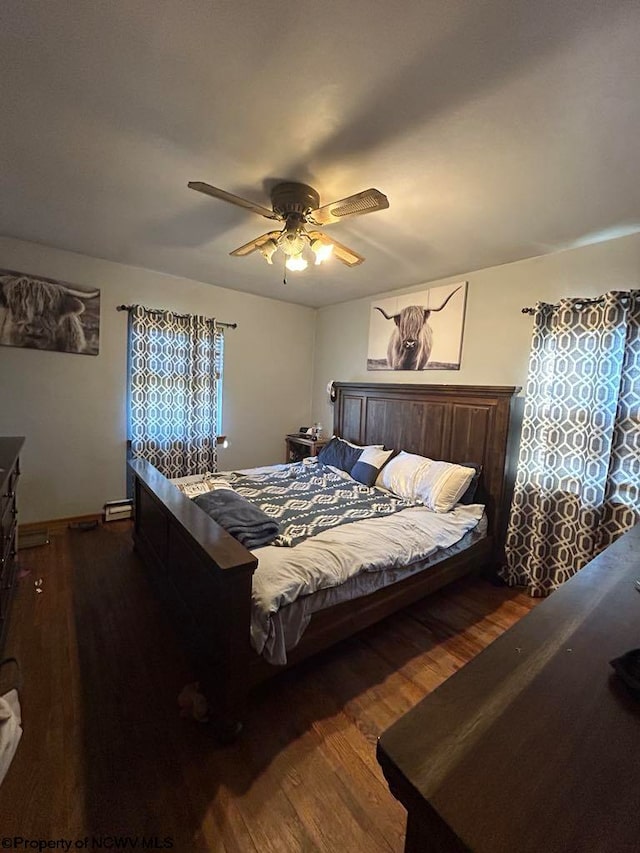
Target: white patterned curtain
{"points": [[175, 366], [578, 481]]}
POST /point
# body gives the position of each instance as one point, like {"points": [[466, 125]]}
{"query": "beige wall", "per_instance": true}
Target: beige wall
{"points": [[496, 335], [71, 408]]}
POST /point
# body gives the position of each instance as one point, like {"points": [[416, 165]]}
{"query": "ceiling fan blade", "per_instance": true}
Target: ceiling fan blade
{"points": [[342, 253], [255, 244], [368, 201], [207, 189]]}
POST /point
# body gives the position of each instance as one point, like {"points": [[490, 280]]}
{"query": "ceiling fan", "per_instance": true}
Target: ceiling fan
{"points": [[298, 206]]}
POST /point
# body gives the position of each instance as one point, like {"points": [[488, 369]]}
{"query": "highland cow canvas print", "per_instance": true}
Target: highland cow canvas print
{"points": [[418, 331], [42, 313]]}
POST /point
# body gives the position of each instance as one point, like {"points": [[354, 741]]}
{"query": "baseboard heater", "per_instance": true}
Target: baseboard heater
{"points": [[33, 538], [117, 510]]}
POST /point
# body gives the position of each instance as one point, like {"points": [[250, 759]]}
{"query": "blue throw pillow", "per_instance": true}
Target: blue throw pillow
{"points": [[340, 454]]}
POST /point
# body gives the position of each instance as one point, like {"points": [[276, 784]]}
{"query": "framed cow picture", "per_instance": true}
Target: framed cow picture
{"points": [[418, 331], [42, 313]]}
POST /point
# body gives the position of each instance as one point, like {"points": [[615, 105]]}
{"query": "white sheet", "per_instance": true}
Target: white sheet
{"points": [[287, 626]]}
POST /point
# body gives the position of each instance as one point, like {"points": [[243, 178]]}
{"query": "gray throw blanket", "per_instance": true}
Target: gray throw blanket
{"points": [[239, 517]]}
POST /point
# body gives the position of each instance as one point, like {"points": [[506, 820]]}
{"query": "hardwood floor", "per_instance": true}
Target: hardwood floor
{"points": [[105, 753]]}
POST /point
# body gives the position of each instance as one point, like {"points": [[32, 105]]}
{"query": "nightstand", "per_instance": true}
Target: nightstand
{"points": [[298, 447]]}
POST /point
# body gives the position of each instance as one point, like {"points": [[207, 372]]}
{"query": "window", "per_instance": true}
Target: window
{"points": [[175, 390]]}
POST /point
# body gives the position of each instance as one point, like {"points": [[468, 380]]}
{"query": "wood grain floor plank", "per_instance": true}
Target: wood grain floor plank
{"points": [[105, 751], [350, 757]]}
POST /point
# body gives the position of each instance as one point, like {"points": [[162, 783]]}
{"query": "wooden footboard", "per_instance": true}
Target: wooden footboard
{"points": [[204, 575]]}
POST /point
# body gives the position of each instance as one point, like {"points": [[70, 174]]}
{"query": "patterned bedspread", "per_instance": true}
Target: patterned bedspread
{"points": [[307, 499]]}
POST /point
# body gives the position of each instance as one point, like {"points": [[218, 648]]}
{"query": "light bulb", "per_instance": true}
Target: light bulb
{"points": [[295, 263], [321, 250]]}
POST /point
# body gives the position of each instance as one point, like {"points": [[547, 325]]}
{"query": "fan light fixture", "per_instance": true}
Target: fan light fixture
{"points": [[293, 241], [298, 206], [267, 250], [322, 251]]}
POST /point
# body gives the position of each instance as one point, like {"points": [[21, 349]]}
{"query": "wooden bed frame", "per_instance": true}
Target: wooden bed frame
{"points": [[204, 575]]}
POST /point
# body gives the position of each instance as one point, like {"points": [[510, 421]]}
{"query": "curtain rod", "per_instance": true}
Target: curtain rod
{"points": [[160, 310], [579, 302]]}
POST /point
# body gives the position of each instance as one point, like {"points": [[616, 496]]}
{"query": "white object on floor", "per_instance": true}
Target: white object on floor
{"points": [[10, 729]]}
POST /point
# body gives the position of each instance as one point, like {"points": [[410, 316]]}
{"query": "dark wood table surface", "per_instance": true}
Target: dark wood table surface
{"points": [[535, 744]]}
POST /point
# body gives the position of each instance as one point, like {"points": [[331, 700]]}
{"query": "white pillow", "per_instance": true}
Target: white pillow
{"points": [[438, 485], [399, 475]]}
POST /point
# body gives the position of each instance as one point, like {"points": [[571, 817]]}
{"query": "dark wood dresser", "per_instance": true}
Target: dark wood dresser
{"points": [[535, 744], [9, 472]]}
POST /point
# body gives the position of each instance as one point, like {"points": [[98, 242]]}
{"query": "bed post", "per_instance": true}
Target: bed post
{"points": [[204, 577]]}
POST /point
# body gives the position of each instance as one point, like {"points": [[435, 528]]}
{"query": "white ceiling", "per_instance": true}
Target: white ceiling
{"points": [[498, 130]]}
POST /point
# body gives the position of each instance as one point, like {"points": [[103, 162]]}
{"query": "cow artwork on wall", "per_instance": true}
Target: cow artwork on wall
{"points": [[42, 313], [418, 331]]}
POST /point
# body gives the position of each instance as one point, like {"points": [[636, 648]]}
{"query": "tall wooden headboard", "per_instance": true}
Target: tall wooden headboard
{"points": [[456, 423]]}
